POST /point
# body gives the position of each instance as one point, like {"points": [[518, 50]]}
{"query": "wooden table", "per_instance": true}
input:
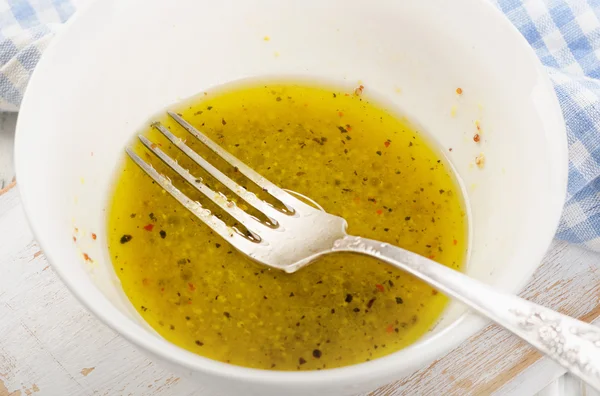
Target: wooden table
{"points": [[50, 345]]}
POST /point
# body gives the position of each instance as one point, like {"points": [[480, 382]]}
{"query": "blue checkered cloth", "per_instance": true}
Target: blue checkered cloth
{"points": [[565, 35], [26, 27]]}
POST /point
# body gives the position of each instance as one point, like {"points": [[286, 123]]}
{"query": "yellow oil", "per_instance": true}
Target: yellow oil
{"points": [[348, 154]]}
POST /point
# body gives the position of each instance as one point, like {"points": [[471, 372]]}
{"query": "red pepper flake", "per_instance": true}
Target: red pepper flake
{"points": [[455, 242], [358, 91], [434, 292], [387, 143], [459, 91], [389, 329], [149, 227], [192, 287], [432, 256], [380, 287], [190, 302], [476, 138], [74, 239], [153, 146], [379, 211], [145, 281], [340, 114], [87, 258], [162, 289], [348, 127], [94, 236]]}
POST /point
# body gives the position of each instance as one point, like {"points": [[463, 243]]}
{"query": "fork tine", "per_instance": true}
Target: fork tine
{"points": [[247, 220], [291, 202], [230, 234], [251, 198]]}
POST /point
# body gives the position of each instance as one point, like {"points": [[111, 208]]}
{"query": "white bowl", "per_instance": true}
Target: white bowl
{"points": [[120, 61]]}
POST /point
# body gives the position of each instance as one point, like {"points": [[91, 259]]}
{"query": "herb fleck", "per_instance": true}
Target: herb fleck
{"points": [[370, 303]]}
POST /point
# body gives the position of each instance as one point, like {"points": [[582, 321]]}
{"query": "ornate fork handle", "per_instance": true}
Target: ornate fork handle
{"points": [[572, 343]]}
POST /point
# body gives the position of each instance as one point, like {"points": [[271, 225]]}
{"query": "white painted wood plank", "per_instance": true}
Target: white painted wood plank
{"points": [[18, 340], [568, 385], [543, 380], [555, 388], [586, 390]]}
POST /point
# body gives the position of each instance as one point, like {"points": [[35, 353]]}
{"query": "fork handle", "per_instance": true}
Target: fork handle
{"points": [[573, 344]]}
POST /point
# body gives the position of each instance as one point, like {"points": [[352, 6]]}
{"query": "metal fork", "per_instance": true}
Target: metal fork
{"points": [[297, 234]]}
